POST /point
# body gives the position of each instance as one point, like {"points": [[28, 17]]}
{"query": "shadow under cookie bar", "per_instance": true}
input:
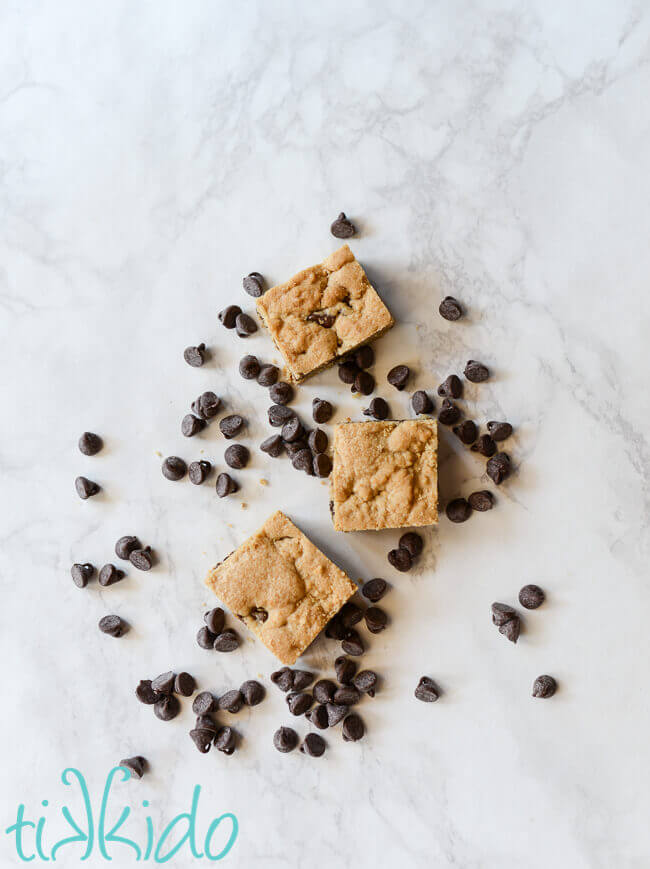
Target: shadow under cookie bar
{"points": [[384, 475], [323, 313], [281, 586]]}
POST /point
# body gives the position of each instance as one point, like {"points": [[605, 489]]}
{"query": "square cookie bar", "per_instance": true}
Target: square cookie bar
{"points": [[323, 313], [384, 474], [281, 586]]}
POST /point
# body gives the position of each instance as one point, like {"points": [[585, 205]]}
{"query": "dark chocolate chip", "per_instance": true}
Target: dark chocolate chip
{"points": [[374, 589], [452, 387], [281, 393], [335, 712], [90, 443], [279, 414], [268, 375], [245, 325], [109, 575], [205, 638], [313, 745], [476, 371], [466, 431], [498, 468], [112, 625], [350, 615], [231, 701], [249, 367], [352, 644], [237, 456], [252, 692], [544, 686], [164, 684], [376, 619], [207, 405], [317, 441], [145, 693], [321, 410], [173, 468], [299, 703], [353, 728], [215, 620], [228, 316], [272, 446], [318, 717], [511, 629], [301, 679], [225, 740], [254, 284], [126, 545], [347, 695], [364, 383], [142, 559], [205, 722], [259, 614], [427, 690], [398, 376], [227, 641], [348, 370], [136, 766], [184, 684], [450, 309], [322, 465], [285, 739], [225, 485], [323, 319], [364, 356], [378, 408], [412, 542], [283, 678], [481, 501], [199, 471], [485, 446], [366, 682], [292, 430], [323, 691], [335, 629], [231, 425], [400, 559], [499, 431], [531, 597], [502, 613], [448, 413], [420, 402], [81, 574], [191, 425], [342, 227], [195, 356], [303, 461], [86, 488], [204, 703], [167, 708], [458, 510], [202, 738]]}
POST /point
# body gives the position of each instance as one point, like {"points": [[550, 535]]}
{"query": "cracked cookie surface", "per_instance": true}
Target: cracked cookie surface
{"points": [[323, 313], [384, 475], [281, 586]]}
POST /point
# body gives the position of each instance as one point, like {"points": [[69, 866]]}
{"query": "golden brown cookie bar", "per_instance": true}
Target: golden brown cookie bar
{"points": [[323, 313], [281, 586], [384, 474]]}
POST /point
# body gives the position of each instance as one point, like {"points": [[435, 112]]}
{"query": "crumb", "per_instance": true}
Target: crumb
{"points": [[263, 482], [244, 505], [158, 453]]}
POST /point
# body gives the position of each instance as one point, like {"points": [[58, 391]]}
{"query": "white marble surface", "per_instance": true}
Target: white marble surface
{"points": [[150, 155]]}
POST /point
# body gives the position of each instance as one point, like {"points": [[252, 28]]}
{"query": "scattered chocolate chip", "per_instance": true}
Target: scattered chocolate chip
{"points": [[476, 371], [458, 510], [448, 413], [466, 431], [481, 501], [323, 319], [352, 644], [225, 740], [245, 325], [450, 309], [452, 387], [485, 446], [225, 485], [231, 701], [279, 415], [347, 695], [164, 684], [400, 559], [345, 669], [544, 686], [184, 684], [228, 317], [374, 589], [511, 629], [112, 625], [321, 410], [350, 614], [292, 430], [342, 227], [378, 408], [268, 375], [335, 712], [254, 284], [531, 597], [273, 446], [502, 613], [318, 717], [205, 638], [109, 575], [207, 405], [323, 691], [205, 722], [90, 443], [249, 367], [81, 574], [215, 620], [136, 766], [125, 546], [335, 629], [353, 728], [499, 431], [366, 682], [191, 425], [195, 356], [364, 356], [86, 488], [398, 376], [285, 739], [281, 393], [204, 703], [173, 468], [317, 441], [283, 678], [412, 542], [145, 693], [167, 708], [301, 679], [231, 425], [299, 702], [202, 738], [142, 559], [420, 402], [322, 465], [199, 471], [303, 461], [498, 468], [313, 745], [227, 641], [252, 692], [427, 690], [348, 370], [376, 619], [364, 383], [237, 456]]}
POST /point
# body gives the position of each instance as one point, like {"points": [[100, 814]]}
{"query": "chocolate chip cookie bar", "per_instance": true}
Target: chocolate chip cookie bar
{"points": [[323, 313], [384, 474], [281, 586]]}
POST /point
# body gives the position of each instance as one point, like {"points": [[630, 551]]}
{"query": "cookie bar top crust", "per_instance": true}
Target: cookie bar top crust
{"points": [[384, 475], [323, 313], [281, 586]]}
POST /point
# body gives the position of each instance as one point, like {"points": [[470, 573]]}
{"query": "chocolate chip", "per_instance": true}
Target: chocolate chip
{"points": [[476, 371], [281, 393], [114, 626], [225, 485], [279, 415], [245, 325], [249, 367], [511, 629], [412, 542], [135, 765], [195, 356], [345, 669], [374, 589], [449, 413], [323, 691], [231, 425], [90, 443], [164, 684], [317, 441], [348, 370], [254, 284], [191, 425], [376, 619], [450, 309], [292, 430], [268, 375], [204, 703], [81, 574], [199, 471], [466, 431], [237, 456], [498, 468], [420, 402], [313, 745], [499, 431], [502, 613], [481, 501], [378, 408], [342, 227], [283, 678], [273, 446], [366, 682], [252, 692], [215, 620], [109, 575], [485, 446], [126, 545], [303, 461], [173, 468], [353, 728], [398, 376], [458, 510], [323, 319], [452, 387], [301, 679], [228, 316], [225, 740], [427, 690], [299, 703], [335, 712], [207, 405], [184, 684], [204, 722], [322, 465], [202, 738], [364, 356], [321, 410], [350, 614], [544, 686], [347, 695], [335, 629], [145, 693], [86, 488], [352, 644], [364, 383], [205, 638], [285, 739], [531, 597], [400, 559], [167, 708], [318, 717], [142, 559], [227, 641], [231, 701]]}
